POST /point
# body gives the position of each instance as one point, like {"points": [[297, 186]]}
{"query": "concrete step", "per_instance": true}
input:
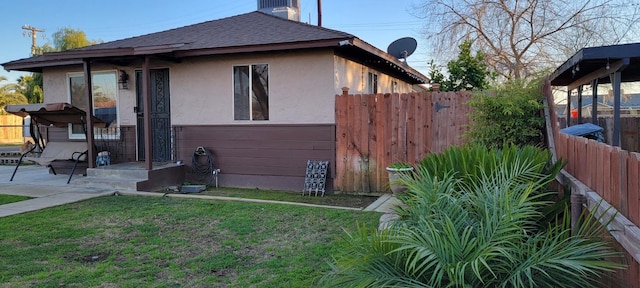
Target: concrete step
{"points": [[120, 184], [103, 172]]}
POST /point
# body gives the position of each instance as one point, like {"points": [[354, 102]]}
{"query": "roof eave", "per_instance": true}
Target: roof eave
{"points": [[418, 77], [260, 48]]}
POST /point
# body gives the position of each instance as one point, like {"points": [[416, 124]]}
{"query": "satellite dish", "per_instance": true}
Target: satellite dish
{"points": [[402, 48]]}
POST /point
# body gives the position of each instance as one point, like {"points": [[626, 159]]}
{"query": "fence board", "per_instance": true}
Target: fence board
{"points": [[633, 194], [615, 178], [353, 118], [402, 128], [374, 131], [381, 141], [411, 129], [606, 172], [10, 129], [427, 111], [582, 166], [374, 174], [363, 149], [599, 169], [342, 118], [623, 184]]}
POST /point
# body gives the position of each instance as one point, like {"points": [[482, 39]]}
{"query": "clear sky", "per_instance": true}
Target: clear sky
{"points": [[378, 22]]}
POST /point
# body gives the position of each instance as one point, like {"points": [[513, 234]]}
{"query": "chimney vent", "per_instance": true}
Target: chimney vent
{"points": [[288, 9]]}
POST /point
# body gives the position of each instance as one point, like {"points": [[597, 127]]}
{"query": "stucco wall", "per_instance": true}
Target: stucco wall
{"points": [[300, 89], [354, 75], [302, 86], [56, 89]]}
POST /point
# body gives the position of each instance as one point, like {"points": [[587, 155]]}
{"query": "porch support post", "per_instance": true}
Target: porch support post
{"points": [[91, 155], [594, 101], [579, 107], [616, 80], [615, 83], [568, 113], [146, 100]]}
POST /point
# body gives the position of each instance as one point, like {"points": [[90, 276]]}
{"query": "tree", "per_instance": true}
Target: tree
{"points": [[467, 72], [519, 38], [9, 94], [63, 39], [30, 87]]}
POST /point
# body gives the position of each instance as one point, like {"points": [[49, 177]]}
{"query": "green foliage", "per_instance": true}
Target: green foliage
{"points": [[434, 74], [31, 87], [10, 94], [400, 165], [477, 224], [67, 39], [467, 72], [510, 114]]}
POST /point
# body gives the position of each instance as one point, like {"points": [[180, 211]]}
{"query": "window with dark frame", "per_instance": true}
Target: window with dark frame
{"points": [[251, 92]]}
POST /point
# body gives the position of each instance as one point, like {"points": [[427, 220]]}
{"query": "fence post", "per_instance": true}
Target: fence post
{"points": [[345, 91], [577, 201]]}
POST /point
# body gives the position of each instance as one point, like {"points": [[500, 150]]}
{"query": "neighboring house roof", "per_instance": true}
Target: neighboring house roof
{"points": [[246, 33], [632, 101]]}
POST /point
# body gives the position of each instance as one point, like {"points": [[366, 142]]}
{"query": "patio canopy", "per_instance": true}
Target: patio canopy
{"points": [[599, 65], [53, 114]]}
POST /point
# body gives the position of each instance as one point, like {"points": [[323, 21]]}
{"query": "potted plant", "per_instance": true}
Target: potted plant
{"points": [[395, 170]]}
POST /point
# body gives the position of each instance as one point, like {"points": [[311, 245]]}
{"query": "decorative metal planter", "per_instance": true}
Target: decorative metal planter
{"points": [[394, 176]]}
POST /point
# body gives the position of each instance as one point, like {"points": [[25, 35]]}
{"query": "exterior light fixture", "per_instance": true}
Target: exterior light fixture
{"points": [[123, 80]]}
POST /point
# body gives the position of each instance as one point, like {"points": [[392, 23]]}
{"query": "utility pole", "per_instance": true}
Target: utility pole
{"points": [[33, 33]]}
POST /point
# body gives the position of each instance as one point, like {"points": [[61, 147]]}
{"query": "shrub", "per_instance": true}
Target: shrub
{"points": [[510, 114], [478, 224]]}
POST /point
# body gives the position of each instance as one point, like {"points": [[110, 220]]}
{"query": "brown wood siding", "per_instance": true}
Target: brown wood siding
{"points": [[262, 156]]}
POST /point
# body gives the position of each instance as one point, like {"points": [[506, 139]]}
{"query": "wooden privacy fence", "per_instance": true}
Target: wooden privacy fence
{"points": [[611, 171], [606, 177], [10, 129], [374, 131]]}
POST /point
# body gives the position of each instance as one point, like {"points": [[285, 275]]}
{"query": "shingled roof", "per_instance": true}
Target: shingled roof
{"points": [[244, 33], [255, 28]]}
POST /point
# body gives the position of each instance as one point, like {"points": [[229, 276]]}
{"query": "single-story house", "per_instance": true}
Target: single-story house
{"points": [[256, 89]]}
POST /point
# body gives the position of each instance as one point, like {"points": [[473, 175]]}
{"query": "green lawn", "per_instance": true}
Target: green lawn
{"points": [[125, 241], [345, 200], [6, 199]]}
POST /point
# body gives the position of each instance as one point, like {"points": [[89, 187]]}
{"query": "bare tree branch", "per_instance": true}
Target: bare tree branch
{"points": [[520, 37]]}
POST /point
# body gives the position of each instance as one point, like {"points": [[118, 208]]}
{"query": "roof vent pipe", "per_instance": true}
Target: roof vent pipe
{"points": [[319, 13]]}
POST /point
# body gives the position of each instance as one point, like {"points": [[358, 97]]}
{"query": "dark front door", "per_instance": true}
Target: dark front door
{"points": [[160, 115]]}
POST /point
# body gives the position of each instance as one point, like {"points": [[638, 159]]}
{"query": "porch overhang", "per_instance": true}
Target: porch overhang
{"points": [[599, 65], [351, 48]]}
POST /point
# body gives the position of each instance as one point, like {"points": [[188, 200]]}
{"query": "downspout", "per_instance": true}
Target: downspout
{"points": [[91, 155]]}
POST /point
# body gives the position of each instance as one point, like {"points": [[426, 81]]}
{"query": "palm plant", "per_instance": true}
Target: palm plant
{"points": [[9, 95], [476, 221]]}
